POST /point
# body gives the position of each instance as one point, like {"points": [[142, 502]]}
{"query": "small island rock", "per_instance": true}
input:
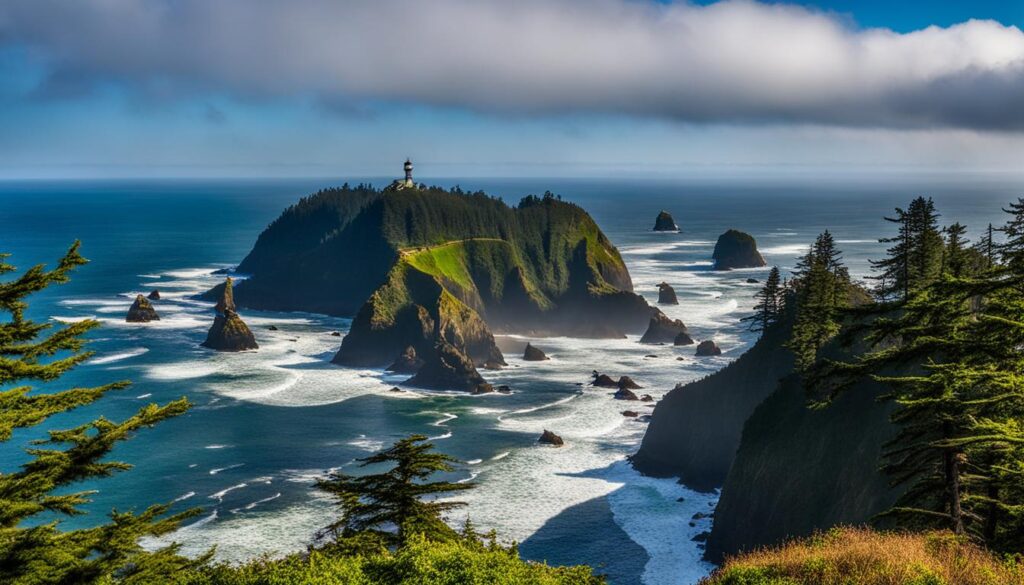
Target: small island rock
{"points": [[534, 354], [604, 381], [646, 398], [550, 438], [662, 329], [708, 348], [626, 394], [736, 249], [665, 223], [752, 281], [630, 413], [447, 368], [667, 294], [230, 333], [141, 311], [683, 339], [627, 382], [154, 295]]}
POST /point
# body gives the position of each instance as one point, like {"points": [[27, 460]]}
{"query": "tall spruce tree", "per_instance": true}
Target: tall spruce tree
{"points": [[986, 247], [34, 549], [915, 256], [1011, 250], [392, 506], [821, 290], [954, 256], [769, 303]]}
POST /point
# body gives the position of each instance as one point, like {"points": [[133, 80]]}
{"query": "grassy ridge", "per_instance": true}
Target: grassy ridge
{"points": [[857, 556]]}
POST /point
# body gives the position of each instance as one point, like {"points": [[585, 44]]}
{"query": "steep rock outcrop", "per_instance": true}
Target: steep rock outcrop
{"points": [[627, 382], [141, 311], [665, 223], [603, 381], [226, 300], [407, 362], [662, 329], [626, 394], [550, 438], [154, 295], [534, 354], [230, 333], [736, 249], [447, 368], [696, 428], [683, 339], [667, 294]]}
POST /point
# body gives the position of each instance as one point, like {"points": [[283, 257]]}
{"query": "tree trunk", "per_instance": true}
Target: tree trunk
{"points": [[952, 468]]}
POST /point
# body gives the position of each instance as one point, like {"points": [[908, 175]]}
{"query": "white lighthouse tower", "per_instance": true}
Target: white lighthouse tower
{"points": [[408, 174]]}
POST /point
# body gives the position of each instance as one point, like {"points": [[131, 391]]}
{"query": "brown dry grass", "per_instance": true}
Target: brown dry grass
{"points": [[859, 556]]}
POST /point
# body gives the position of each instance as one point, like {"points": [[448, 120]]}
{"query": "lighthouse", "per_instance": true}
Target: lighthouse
{"points": [[408, 173]]}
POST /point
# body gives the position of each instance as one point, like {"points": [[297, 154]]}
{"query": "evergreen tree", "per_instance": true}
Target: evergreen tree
{"points": [[986, 248], [1011, 250], [33, 548], [955, 257], [388, 508], [821, 290], [769, 303], [915, 257]]}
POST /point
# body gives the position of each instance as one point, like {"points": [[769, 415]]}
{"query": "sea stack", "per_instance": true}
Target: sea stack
{"points": [[667, 294], [141, 311], [447, 368], [229, 332], [736, 249], [665, 223], [534, 354], [550, 438], [663, 329], [708, 348], [154, 295]]}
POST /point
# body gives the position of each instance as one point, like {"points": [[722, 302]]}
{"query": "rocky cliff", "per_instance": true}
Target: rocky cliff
{"points": [[421, 266], [736, 249]]}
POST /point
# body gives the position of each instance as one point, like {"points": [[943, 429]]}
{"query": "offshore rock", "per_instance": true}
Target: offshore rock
{"points": [[662, 329], [667, 294], [665, 223], [154, 295], [708, 348], [736, 249], [534, 354], [447, 368], [230, 333], [141, 311], [626, 394], [604, 381], [683, 339], [550, 438], [227, 298], [627, 382]]}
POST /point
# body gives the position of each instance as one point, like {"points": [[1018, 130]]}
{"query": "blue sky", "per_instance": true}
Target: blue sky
{"points": [[535, 87]]}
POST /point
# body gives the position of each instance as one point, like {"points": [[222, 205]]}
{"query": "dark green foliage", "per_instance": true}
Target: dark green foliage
{"points": [[956, 256], [821, 287], [915, 257], [33, 548], [770, 303], [1011, 251], [388, 508]]}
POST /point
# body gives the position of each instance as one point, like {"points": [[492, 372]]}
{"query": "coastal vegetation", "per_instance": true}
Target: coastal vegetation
{"points": [[391, 527]]}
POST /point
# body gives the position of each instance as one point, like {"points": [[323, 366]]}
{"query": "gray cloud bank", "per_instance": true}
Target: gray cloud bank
{"points": [[735, 61]]}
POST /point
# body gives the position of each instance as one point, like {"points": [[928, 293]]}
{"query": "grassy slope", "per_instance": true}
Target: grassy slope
{"points": [[847, 556]]}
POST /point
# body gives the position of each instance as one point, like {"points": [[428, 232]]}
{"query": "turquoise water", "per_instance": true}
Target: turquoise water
{"points": [[266, 423]]}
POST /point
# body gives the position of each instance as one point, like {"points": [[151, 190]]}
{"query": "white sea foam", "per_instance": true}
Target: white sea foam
{"points": [[65, 319], [252, 505], [366, 444], [184, 496], [219, 496], [785, 250], [215, 446], [108, 359], [220, 469], [474, 461], [142, 396]]}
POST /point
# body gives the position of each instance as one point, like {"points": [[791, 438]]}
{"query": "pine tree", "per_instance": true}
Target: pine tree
{"points": [[1011, 250], [34, 549], [770, 303], [954, 256], [820, 292], [392, 506], [915, 257]]}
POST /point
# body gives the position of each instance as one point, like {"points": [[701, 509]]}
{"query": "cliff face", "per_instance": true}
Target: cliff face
{"points": [[418, 266], [799, 470], [696, 429]]}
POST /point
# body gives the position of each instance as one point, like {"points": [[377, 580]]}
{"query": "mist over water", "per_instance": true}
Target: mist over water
{"points": [[265, 424]]}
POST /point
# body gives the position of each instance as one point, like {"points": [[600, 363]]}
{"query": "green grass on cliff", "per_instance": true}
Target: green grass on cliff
{"points": [[419, 563], [857, 556], [447, 260]]}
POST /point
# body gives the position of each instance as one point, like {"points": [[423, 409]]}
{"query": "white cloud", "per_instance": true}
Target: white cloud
{"points": [[734, 61]]}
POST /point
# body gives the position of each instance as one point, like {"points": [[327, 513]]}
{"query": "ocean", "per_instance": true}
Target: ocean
{"points": [[265, 424]]}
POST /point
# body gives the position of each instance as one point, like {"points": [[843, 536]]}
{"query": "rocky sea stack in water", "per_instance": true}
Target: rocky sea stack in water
{"points": [[736, 249], [667, 294], [154, 295], [229, 332], [663, 329], [708, 348], [665, 223], [550, 438], [534, 354], [428, 268], [141, 311]]}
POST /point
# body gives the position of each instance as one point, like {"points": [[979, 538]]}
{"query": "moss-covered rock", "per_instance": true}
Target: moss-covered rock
{"points": [[141, 311], [736, 249], [230, 333]]}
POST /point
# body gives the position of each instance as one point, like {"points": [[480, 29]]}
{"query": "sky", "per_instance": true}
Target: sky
{"points": [[254, 88]]}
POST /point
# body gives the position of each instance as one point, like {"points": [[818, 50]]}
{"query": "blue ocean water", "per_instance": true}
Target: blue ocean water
{"points": [[266, 423]]}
